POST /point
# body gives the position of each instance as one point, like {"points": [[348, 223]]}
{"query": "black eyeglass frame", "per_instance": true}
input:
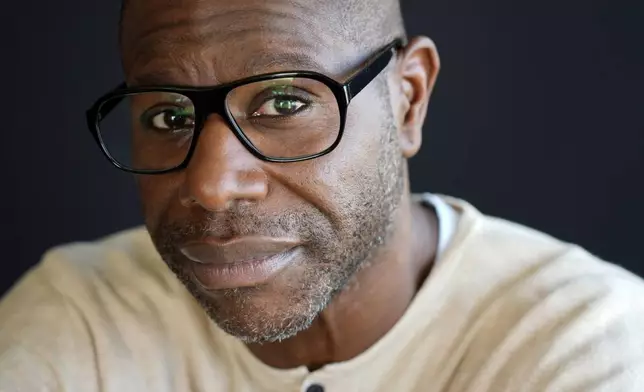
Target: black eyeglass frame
{"points": [[208, 100]]}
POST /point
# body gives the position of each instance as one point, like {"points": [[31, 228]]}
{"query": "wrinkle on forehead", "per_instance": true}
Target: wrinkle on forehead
{"points": [[231, 26], [173, 71], [224, 63], [225, 23]]}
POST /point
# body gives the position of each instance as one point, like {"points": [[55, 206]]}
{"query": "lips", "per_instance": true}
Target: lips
{"points": [[239, 262]]}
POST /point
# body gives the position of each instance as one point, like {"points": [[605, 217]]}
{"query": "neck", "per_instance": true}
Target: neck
{"points": [[371, 304]]}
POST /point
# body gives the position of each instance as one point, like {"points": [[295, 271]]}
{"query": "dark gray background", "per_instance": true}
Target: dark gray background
{"points": [[538, 117]]}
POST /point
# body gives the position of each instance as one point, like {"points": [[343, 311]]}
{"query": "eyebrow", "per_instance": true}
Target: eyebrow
{"points": [[260, 63], [287, 61]]}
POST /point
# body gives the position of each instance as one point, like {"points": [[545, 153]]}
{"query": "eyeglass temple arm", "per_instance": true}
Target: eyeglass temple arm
{"points": [[373, 68]]}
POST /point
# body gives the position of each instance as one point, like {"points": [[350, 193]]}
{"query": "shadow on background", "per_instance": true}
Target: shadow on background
{"points": [[537, 118]]}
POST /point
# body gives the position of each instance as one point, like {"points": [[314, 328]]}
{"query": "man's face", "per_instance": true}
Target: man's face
{"points": [[214, 222]]}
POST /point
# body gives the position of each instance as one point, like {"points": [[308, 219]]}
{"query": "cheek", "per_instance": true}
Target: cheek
{"points": [[157, 193], [368, 119], [338, 181], [340, 174], [356, 157]]}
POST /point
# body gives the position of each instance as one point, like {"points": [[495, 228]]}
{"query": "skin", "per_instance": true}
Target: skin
{"points": [[366, 248]]}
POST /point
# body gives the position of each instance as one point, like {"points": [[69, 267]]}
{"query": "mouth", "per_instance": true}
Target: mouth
{"points": [[240, 262]]}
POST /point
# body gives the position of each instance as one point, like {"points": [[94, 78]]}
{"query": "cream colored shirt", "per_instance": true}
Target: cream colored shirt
{"points": [[506, 309]]}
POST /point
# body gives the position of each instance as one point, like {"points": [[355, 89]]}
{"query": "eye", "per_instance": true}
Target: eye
{"points": [[171, 119], [281, 106]]}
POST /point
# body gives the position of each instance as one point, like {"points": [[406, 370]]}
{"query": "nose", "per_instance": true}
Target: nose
{"points": [[222, 171]]}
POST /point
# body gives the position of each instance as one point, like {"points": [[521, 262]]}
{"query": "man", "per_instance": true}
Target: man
{"points": [[269, 140]]}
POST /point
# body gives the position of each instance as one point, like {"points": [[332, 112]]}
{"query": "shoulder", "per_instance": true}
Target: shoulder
{"points": [[549, 315], [122, 258], [101, 310], [106, 279], [509, 254]]}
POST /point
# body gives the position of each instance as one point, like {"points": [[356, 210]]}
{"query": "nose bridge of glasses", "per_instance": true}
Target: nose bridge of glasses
{"points": [[218, 135], [213, 115], [208, 102]]}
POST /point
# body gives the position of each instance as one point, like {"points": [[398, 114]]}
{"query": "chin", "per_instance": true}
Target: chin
{"points": [[273, 311], [259, 314]]}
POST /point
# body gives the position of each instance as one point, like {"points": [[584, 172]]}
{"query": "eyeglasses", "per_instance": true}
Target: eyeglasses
{"points": [[279, 117]]}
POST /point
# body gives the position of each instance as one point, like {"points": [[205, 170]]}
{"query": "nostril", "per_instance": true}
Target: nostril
{"points": [[218, 189]]}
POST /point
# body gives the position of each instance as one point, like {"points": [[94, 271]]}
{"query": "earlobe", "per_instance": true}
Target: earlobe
{"points": [[418, 69]]}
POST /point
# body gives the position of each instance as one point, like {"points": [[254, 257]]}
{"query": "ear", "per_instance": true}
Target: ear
{"points": [[417, 69]]}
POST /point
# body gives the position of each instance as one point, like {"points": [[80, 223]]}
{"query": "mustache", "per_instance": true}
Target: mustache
{"points": [[239, 224]]}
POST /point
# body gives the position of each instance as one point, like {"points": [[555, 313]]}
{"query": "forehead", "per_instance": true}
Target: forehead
{"points": [[217, 41]]}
